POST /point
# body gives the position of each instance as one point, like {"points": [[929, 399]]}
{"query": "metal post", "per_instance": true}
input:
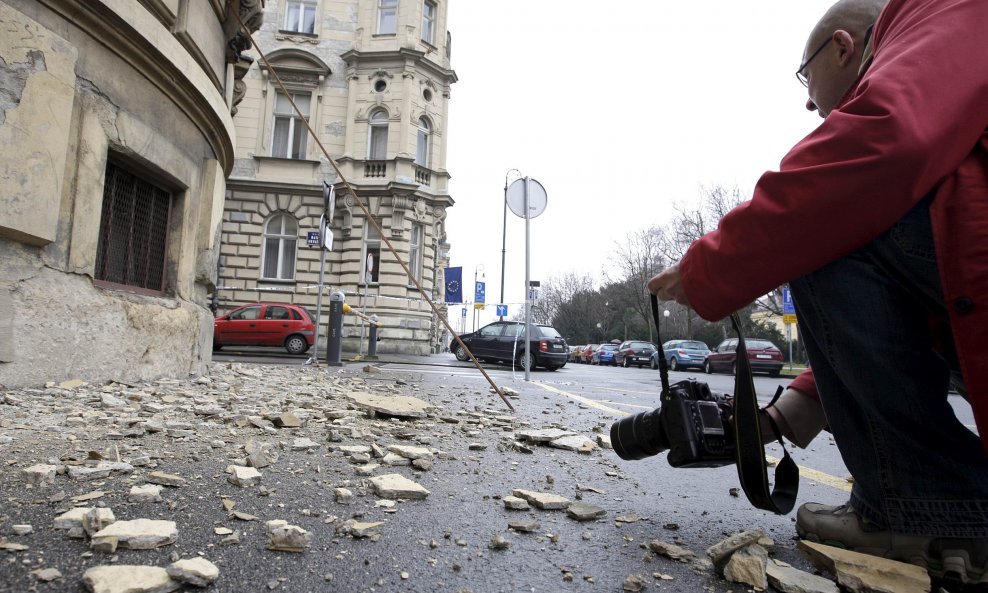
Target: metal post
{"points": [[334, 337], [474, 324], [528, 288], [322, 273], [504, 234], [372, 339]]}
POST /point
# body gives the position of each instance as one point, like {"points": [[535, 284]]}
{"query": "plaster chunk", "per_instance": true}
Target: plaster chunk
{"points": [[194, 571], [129, 579], [543, 500], [139, 534], [397, 486]]}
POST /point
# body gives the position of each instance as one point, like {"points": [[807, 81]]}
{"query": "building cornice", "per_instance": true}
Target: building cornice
{"points": [[354, 58], [132, 33]]}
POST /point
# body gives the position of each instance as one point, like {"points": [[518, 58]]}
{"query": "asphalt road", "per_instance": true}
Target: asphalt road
{"points": [[442, 543]]}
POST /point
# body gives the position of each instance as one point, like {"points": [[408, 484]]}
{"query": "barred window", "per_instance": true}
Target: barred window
{"points": [[280, 244], [133, 236]]}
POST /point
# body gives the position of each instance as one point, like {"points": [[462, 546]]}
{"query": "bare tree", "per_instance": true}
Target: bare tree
{"points": [[639, 256], [557, 291]]}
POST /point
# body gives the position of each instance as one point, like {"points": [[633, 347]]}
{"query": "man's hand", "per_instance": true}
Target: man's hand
{"points": [[668, 286]]}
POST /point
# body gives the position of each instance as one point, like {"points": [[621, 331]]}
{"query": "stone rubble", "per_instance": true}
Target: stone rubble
{"points": [[124, 445]]}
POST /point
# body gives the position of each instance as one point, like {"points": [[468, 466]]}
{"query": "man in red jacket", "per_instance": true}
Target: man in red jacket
{"points": [[879, 221]]}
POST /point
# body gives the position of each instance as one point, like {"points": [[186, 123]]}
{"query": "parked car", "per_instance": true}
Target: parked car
{"points": [[683, 354], [634, 352], [576, 353], [762, 354], [604, 354], [588, 353], [504, 341], [265, 324]]}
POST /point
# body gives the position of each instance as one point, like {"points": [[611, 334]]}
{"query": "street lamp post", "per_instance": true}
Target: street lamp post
{"points": [[504, 232]]}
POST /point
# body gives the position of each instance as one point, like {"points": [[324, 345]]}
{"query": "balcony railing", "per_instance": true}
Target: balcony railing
{"points": [[375, 168], [423, 176]]}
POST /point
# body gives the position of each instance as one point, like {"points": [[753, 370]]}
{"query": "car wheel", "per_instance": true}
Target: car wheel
{"points": [[461, 353], [296, 344], [774, 373], [734, 369], [673, 365], [626, 363], [553, 368], [526, 363], [655, 363], [217, 347], [707, 368]]}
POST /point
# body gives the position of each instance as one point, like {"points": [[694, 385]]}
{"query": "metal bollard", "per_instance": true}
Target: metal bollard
{"points": [[334, 337], [372, 343]]}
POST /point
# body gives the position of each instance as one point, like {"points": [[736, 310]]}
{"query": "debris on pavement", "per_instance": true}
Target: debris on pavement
{"points": [[283, 537]]}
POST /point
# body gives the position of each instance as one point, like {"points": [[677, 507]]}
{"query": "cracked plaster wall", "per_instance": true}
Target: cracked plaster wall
{"points": [[75, 103]]}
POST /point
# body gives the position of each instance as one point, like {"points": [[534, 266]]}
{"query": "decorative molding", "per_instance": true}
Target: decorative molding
{"points": [[380, 74]]}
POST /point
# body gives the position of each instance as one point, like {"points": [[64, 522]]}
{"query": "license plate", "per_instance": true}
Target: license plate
{"points": [[763, 356], [641, 359]]}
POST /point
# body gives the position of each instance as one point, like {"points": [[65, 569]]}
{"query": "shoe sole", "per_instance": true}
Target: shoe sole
{"points": [[952, 568]]}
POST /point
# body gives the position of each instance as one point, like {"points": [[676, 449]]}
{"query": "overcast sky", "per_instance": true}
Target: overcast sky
{"points": [[619, 109]]}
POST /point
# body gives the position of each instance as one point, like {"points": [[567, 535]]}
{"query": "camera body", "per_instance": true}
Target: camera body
{"points": [[691, 424]]}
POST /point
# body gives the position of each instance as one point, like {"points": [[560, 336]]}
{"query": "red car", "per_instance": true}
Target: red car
{"points": [[588, 353], [762, 354], [265, 324]]}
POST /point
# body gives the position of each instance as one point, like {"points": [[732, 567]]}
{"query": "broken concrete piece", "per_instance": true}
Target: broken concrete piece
{"points": [[543, 500], [786, 579], [21, 529], [83, 473], [165, 479], [409, 452], [671, 551], [194, 571], [283, 537], [862, 573], [303, 444], [574, 443], [39, 475], [514, 503], [138, 534], [343, 495], [582, 511], [46, 575], [400, 406], [146, 493], [524, 526], [394, 460], [396, 486], [243, 476], [129, 579], [747, 566], [546, 435], [721, 552], [286, 420], [359, 529], [72, 520]]}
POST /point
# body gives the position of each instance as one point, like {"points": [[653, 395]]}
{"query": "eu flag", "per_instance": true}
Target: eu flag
{"points": [[454, 285]]}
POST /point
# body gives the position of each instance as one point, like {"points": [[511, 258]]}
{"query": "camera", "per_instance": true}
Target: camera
{"points": [[691, 424]]}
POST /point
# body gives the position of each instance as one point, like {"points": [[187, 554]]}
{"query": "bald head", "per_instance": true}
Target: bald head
{"points": [[833, 51], [853, 16]]}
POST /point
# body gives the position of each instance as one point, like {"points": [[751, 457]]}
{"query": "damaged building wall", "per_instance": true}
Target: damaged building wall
{"points": [[115, 140]]}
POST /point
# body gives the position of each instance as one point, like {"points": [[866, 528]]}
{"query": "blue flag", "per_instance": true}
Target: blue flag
{"points": [[454, 285]]}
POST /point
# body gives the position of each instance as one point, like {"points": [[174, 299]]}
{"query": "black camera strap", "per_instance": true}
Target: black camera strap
{"points": [[752, 468]]}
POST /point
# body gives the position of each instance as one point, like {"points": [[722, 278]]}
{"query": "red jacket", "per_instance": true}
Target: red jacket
{"points": [[915, 121]]}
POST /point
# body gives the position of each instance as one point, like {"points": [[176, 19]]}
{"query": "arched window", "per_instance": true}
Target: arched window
{"points": [[280, 244], [377, 145], [422, 152]]}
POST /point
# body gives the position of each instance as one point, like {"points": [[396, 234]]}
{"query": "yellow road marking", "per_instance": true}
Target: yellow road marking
{"points": [[806, 472]]}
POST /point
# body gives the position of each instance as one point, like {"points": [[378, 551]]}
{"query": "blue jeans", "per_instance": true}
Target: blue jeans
{"points": [[864, 319]]}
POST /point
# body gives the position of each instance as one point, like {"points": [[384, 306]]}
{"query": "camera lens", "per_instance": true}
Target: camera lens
{"points": [[639, 436]]}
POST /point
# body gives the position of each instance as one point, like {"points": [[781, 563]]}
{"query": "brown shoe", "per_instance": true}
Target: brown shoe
{"points": [[961, 560]]}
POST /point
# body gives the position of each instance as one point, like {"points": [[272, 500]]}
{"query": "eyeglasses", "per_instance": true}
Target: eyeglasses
{"points": [[799, 73]]}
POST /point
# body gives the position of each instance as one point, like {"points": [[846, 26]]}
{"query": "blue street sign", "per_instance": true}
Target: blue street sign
{"points": [[787, 306], [463, 312], [312, 238], [479, 293], [502, 310]]}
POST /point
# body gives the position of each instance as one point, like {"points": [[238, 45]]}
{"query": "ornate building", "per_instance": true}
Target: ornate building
{"points": [[372, 79], [116, 138]]}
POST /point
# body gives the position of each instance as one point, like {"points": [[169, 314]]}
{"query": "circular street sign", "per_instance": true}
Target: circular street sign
{"points": [[515, 197]]}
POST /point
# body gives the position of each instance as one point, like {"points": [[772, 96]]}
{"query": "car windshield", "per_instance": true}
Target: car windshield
{"points": [[640, 345], [694, 346], [609, 347], [759, 344]]}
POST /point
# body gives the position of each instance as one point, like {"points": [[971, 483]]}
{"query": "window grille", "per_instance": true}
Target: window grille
{"points": [[133, 237]]}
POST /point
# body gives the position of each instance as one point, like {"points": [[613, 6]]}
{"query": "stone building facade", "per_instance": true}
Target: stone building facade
{"points": [[372, 79], [116, 137]]}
